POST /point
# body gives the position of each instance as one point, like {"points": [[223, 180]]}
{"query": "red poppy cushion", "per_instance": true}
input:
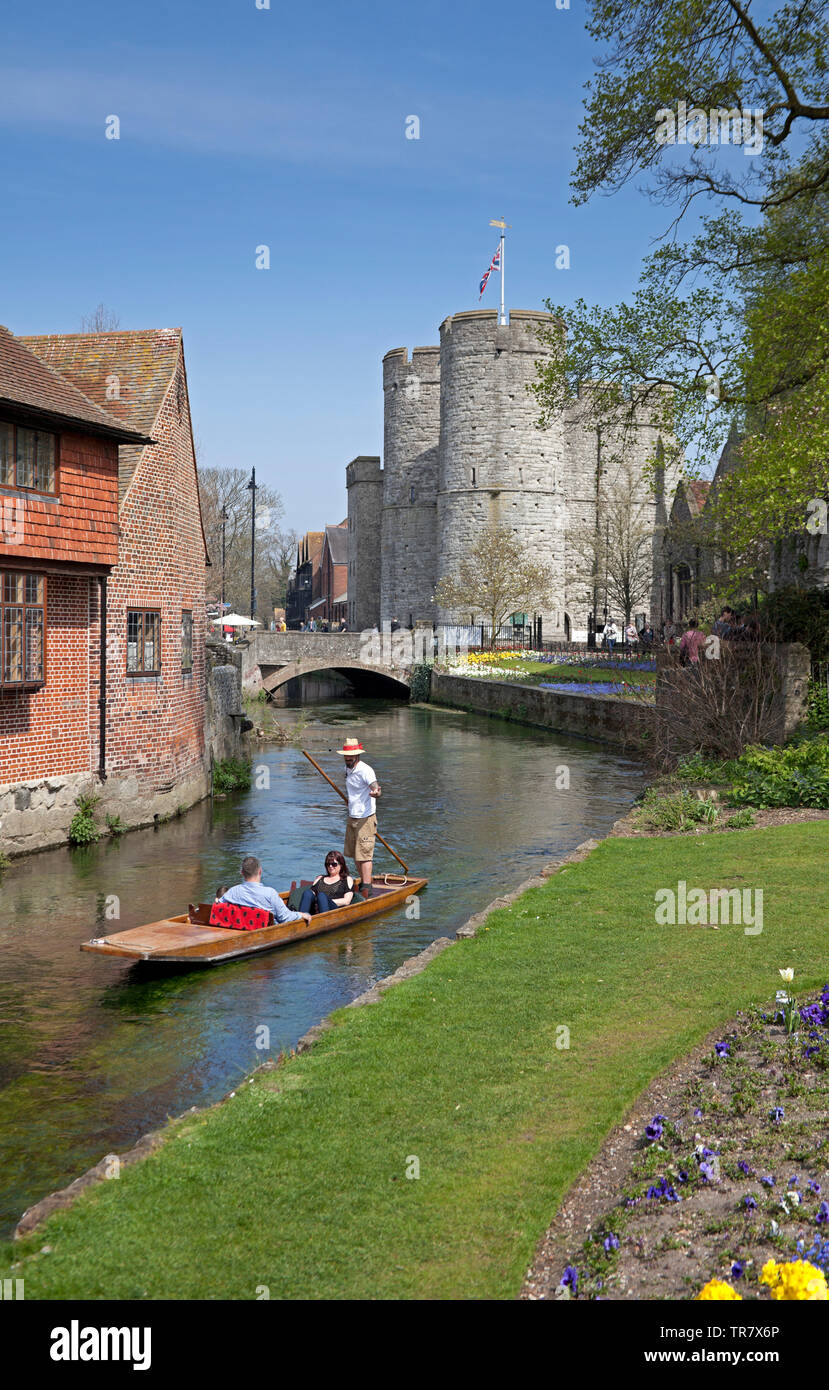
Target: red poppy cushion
{"points": [[239, 918]]}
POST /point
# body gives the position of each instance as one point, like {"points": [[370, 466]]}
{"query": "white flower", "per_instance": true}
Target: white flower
{"points": [[787, 975]]}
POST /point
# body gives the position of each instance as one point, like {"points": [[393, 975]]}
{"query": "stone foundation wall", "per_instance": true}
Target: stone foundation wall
{"points": [[601, 717], [37, 814]]}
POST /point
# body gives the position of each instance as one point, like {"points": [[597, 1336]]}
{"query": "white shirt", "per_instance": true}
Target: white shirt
{"points": [[358, 779]]}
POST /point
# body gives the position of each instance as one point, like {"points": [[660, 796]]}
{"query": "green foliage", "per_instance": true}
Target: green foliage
{"points": [[674, 811], [727, 336], [82, 829], [421, 686], [817, 706], [696, 767], [4, 862], [740, 819], [794, 775], [799, 615], [114, 824], [232, 775], [797, 775]]}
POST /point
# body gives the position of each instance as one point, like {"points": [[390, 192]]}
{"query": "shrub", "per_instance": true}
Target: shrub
{"points": [[674, 811], [797, 775], [716, 707], [695, 767], [799, 615], [817, 705], [740, 819], [421, 686], [232, 775], [82, 829], [114, 824]]}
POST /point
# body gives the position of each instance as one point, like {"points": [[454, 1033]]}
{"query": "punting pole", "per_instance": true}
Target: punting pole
{"points": [[342, 794]]}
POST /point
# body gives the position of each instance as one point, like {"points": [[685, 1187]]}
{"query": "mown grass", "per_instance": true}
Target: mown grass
{"points": [[528, 672], [299, 1183]]}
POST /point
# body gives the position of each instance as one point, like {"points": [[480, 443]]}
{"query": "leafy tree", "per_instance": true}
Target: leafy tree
{"points": [[715, 55], [500, 578], [226, 490], [613, 556], [726, 333]]}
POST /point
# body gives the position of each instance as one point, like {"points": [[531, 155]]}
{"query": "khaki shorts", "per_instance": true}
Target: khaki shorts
{"points": [[359, 838]]}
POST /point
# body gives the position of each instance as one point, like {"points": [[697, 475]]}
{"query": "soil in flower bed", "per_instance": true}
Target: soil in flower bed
{"points": [[676, 1196], [628, 828]]}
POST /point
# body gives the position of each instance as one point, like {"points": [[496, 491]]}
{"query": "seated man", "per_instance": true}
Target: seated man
{"points": [[253, 893]]}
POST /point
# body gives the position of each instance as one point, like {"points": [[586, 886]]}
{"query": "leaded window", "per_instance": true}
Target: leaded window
{"points": [[22, 628], [186, 641], [143, 642], [27, 458]]}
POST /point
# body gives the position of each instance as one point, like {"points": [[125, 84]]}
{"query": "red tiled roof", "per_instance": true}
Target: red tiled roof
{"points": [[699, 491], [28, 382], [144, 362]]}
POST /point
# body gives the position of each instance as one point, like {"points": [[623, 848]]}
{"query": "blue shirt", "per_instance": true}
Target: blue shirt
{"points": [[251, 894]]}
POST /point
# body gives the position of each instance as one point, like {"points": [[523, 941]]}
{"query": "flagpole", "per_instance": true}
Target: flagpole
{"points": [[503, 315]]}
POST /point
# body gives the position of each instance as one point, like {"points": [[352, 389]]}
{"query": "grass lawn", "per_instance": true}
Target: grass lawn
{"points": [[525, 671], [299, 1182]]}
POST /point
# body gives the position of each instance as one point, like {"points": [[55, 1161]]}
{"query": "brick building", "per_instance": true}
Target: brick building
{"points": [[101, 513], [330, 599]]}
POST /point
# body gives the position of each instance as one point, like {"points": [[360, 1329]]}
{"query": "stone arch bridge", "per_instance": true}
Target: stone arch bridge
{"points": [[379, 666]]}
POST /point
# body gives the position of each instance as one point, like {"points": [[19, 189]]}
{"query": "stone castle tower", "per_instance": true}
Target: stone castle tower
{"points": [[462, 448]]}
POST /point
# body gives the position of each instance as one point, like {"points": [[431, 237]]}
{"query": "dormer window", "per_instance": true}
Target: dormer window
{"points": [[27, 458]]}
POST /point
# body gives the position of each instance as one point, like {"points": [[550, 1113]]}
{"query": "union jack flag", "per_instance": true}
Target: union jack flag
{"points": [[494, 265]]}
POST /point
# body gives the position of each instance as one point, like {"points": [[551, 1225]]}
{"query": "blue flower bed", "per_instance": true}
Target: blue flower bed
{"points": [[585, 687]]}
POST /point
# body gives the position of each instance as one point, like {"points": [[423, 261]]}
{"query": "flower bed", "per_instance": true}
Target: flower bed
{"points": [[726, 1194]]}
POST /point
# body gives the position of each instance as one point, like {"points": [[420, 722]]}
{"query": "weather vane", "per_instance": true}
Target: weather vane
{"points": [[497, 263]]}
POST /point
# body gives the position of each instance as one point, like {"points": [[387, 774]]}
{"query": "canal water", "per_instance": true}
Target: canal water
{"points": [[93, 1052]]}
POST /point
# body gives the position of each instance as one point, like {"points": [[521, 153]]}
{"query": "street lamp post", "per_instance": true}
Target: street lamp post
{"points": [[252, 491], [224, 517]]}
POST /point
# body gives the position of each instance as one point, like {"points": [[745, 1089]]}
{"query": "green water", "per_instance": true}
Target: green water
{"points": [[93, 1053]]}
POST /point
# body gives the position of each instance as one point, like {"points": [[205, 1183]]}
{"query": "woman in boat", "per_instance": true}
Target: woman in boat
{"points": [[334, 888]]}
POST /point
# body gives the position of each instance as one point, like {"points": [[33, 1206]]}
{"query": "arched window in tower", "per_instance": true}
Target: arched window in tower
{"points": [[685, 589]]}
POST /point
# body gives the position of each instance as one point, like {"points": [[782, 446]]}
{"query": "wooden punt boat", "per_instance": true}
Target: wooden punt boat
{"points": [[190, 940]]}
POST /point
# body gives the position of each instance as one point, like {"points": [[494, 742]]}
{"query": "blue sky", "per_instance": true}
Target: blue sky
{"points": [[286, 127]]}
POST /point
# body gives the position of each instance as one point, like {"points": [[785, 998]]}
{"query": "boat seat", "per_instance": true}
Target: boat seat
{"points": [[224, 915]]}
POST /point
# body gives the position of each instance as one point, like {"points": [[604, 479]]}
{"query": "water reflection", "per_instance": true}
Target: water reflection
{"points": [[93, 1052]]}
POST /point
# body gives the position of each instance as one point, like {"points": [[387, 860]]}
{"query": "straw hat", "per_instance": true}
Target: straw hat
{"points": [[353, 746]]}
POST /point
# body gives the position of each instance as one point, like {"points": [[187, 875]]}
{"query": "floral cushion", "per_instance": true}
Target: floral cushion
{"points": [[239, 918]]}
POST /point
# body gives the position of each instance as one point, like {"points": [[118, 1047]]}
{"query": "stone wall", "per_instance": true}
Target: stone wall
{"points": [[496, 465], [620, 722], [411, 433], [364, 480], [37, 814], [463, 449], [225, 729]]}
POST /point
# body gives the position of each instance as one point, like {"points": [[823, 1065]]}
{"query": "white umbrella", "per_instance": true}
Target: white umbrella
{"points": [[235, 620]]}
